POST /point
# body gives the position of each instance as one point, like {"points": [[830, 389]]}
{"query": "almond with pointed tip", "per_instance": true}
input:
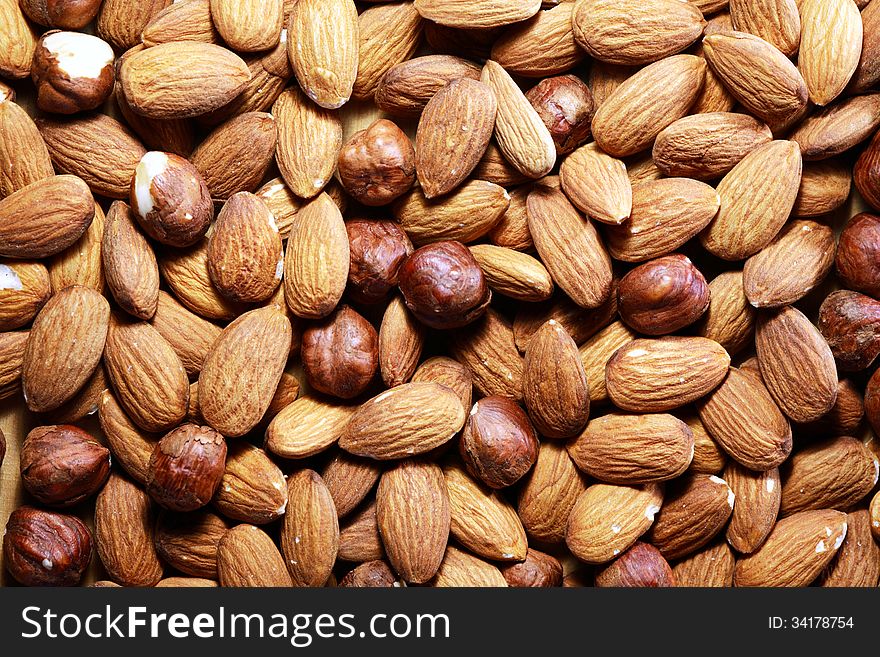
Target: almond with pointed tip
{"points": [[597, 184], [544, 45], [756, 508], [513, 274], [24, 158], [24, 290], [776, 21], [831, 46], [350, 479], [131, 445], [595, 353], [310, 531], [477, 14], [838, 128], [401, 340], [388, 34], [248, 26], [307, 426], [462, 569], [857, 563], [12, 347], [488, 349], [17, 43], [406, 88], [550, 492], [730, 318], [711, 566], [253, 489], [825, 187], [130, 266], [247, 557], [181, 21]]}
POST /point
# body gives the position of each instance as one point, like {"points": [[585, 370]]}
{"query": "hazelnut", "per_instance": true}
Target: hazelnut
{"points": [[340, 354], [371, 574], [72, 72], [61, 465], [639, 567], [43, 548], [850, 323], [866, 173], [443, 286], [872, 401], [858, 254], [498, 444], [170, 199], [539, 570], [565, 105], [377, 165], [663, 295], [186, 467], [63, 14], [378, 249]]}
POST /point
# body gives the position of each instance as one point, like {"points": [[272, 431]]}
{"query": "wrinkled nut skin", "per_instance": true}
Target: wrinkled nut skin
{"points": [[663, 295], [340, 354], [377, 165], [539, 570], [170, 199], [640, 566], [443, 286], [498, 443], [377, 249], [371, 574], [61, 465], [866, 173], [63, 14], [186, 467], [43, 548], [565, 105], [858, 255], [62, 87], [850, 323], [872, 401]]}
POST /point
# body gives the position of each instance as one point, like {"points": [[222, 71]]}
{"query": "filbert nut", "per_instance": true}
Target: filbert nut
{"points": [[370, 574], [63, 14], [377, 250], [170, 199], [663, 295], [377, 165], [340, 354], [186, 467], [565, 105], [43, 548], [539, 570], [443, 286], [498, 443], [639, 567], [850, 323], [858, 254], [72, 72], [61, 465]]}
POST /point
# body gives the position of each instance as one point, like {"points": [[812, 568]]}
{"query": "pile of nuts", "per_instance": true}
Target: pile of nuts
{"points": [[563, 335]]}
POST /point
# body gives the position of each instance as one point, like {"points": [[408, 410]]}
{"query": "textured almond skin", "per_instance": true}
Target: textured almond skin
{"points": [[743, 418], [481, 520], [95, 147], [324, 53], [181, 21], [555, 388], [240, 375], [410, 419], [462, 569], [710, 567], [776, 21], [169, 135], [18, 43], [28, 231], [608, 519], [633, 449], [827, 68], [189, 335], [450, 373], [247, 557], [349, 479], [186, 272], [595, 353], [24, 158], [709, 458], [188, 542], [665, 214], [746, 223], [388, 34], [635, 32], [542, 46], [597, 184], [825, 187], [120, 22], [253, 488], [454, 131], [487, 348], [12, 347], [80, 263], [412, 510], [837, 128], [646, 103], [307, 426], [406, 88], [131, 445], [477, 14], [181, 79], [796, 364], [792, 556], [64, 347], [756, 508], [310, 532], [130, 267], [858, 561], [359, 539], [835, 474], [581, 324], [730, 319], [248, 26], [401, 339], [124, 526], [30, 289], [640, 566], [513, 274], [664, 373]]}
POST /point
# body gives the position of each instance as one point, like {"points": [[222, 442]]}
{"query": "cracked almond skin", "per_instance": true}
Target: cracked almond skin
{"points": [[186, 467]]}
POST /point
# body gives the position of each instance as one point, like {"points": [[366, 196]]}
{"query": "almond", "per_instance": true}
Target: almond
{"points": [[459, 568], [24, 158], [709, 458], [401, 339], [189, 335], [513, 274], [24, 290], [868, 70], [825, 187], [129, 263], [247, 557], [12, 348], [307, 426], [17, 43], [581, 324], [167, 135], [776, 21], [710, 567], [757, 505], [81, 263], [857, 563], [349, 480], [597, 184], [449, 373], [838, 128], [253, 489], [595, 354], [406, 88], [477, 14], [84, 403], [730, 319], [496, 168], [543, 45], [181, 21], [131, 445], [388, 35], [359, 538], [487, 348], [512, 230], [120, 22], [831, 45], [310, 533], [248, 26], [188, 542]]}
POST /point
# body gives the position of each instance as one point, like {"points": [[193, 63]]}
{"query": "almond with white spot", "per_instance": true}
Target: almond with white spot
{"points": [[757, 506], [310, 532], [253, 489]]}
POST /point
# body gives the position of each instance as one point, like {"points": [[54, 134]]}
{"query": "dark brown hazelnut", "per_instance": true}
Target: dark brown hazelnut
{"points": [[639, 567], [63, 14], [872, 402], [866, 173], [43, 548], [565, 105], [372, 574], [61, 465], [858, 254], [188, 541], [186, 467], [170, 199], [340, 354], [443, 286], [663, 295], [539, 570], [72, 72], [377, 165], [377, 249], [850, 323], [498, 443]]}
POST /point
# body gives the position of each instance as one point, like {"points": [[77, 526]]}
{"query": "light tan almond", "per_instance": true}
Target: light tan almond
{"points": [[24, 158], [120, 22], [132, 447], [81, 263], [247, 557], [710, 567], [825, 187], [388, 34], [181, 21], [477, 14], [487, 348], [310, 532], [776, 21], [189, 335], [25, 289], [596, 352], [406, 88], [513, 274], [449, 373], [757, 505], [462, 569], [581, 324], [130, 266], [831, 46], [307, 426], [17, 42], [544, 45], [730, 319], [253, 489], [12, 347], [597, 184], [248, 26], [401, 339]]}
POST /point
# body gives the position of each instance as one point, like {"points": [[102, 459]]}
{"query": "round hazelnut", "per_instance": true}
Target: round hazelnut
{"points": [[377, 165], [170, 199], [539, 570], [872, 401], [663, 295], [642, 566], [186, 467], [340, 354], [370, 574], [565, 105], [866, 173], [498, 444], [378, 249], [443, 286], [850, 323], [858, 254], [43, 548], [61, 465], [63, 14], [72, 72]]}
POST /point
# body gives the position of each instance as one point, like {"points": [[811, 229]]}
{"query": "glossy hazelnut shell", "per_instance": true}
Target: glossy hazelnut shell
{"points": [[377, 165], [858, 255], [186, 467], [850, 323], [43, 548], [565, 105], [377, 250]]}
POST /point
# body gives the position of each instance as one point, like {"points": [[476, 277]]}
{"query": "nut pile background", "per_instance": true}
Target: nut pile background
{"points": [[445, 292]]}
